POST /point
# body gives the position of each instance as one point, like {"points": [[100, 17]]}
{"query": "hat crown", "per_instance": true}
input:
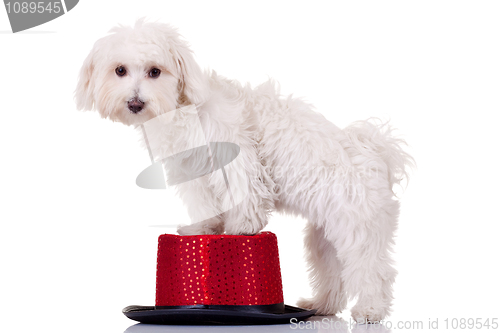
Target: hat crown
{"points": [[218, 270]]}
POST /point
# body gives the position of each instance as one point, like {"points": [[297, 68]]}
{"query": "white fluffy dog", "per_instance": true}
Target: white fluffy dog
{"points": [[339, 180]]}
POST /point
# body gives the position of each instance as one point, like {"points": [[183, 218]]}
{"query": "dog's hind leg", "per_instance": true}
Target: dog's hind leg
{"points": [[365, 223], [325, 269], [363, 238]]}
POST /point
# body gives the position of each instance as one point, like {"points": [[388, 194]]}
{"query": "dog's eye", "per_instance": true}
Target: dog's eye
{"points": [[155, 72], [120, 71]]}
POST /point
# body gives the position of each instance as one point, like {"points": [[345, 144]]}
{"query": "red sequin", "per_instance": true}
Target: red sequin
{"points": [[218, 270]]}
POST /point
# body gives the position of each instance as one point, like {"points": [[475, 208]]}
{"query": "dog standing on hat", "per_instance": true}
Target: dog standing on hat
{"points": [[296, 161]]}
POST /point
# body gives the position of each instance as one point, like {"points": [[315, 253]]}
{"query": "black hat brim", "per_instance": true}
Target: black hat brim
{"points": [[152, 315]]}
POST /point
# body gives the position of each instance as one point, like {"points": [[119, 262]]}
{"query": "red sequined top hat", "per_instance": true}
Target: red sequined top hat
{"points": [[218, 279]]}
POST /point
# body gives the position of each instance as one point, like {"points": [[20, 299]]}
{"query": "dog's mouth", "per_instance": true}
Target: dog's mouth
{"points": [[135, 105]]}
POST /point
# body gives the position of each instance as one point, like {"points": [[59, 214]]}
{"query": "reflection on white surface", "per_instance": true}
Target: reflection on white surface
{"points": [[314, 324]]}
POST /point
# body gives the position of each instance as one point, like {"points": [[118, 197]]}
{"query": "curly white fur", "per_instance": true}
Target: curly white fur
{"points": [[295, 161]]}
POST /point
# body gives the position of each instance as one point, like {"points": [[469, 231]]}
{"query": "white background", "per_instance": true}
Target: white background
{"points": [[76, 242]]}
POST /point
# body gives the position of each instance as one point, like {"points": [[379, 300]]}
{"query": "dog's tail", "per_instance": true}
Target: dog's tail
{"points": [[374, 139]]}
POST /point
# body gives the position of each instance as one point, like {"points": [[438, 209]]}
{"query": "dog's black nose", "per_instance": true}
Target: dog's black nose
{"points": [[135, 105]]}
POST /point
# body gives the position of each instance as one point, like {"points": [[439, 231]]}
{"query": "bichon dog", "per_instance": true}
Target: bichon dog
{"points": [[339, 180]]}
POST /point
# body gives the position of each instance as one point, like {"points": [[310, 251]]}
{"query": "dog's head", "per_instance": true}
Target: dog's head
{"points": [[136, 74]]}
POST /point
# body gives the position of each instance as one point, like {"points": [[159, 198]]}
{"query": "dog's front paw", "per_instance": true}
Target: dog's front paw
{"points": [[212, 226], [187, 230], [368, 314], [243, 229]]}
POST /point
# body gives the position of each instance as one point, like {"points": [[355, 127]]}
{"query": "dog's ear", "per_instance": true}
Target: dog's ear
{"points": [[192, 85], [84, 93]]}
